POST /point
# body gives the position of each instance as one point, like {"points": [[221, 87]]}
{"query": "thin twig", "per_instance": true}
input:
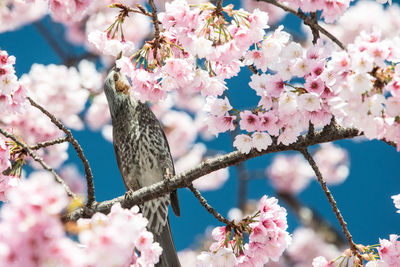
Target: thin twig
{"points": [[306, 20], [78, 149], [208, 207], [328, 134], [219, 6], [156, 28], [310, 218], [314, 29], [331, 200], [39, 160], [49, 143]]}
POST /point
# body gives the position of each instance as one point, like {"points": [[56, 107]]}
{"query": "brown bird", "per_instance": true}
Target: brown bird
{"points": [[143, 158]]}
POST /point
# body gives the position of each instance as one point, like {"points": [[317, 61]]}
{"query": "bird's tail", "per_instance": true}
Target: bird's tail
{"points": [[168, 258]]}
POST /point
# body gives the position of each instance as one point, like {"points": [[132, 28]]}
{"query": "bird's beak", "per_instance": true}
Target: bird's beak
{"points": [[120, 84]]}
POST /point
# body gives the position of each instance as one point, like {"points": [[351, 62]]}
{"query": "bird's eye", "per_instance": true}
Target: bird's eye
{"points": [[116, 77]]}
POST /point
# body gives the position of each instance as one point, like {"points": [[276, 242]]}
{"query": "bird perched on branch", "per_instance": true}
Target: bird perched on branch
{"points": [[143, 157]]}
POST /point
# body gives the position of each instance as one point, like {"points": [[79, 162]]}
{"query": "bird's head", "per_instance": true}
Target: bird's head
{"points": [[116, 87]]}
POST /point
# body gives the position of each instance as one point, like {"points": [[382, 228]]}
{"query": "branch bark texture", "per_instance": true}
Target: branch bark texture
{"points": [[330, 133]]}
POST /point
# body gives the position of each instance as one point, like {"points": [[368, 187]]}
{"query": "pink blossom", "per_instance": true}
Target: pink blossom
{"points": [[249, 121], [218, 106], [257, 58], [307, 245], [91, 79], [12, 91], [393, 106], [320, 262], [98, 113], [333, 162], [289, 174], [261, 140], [287, 103], [4, 155], [267, 240], [314, 85], [180, 131], [275, 14], [14, 14], [6, 183], [74, 179], [187, 257], [215, 87], [54, 84], [269, 122], [289, 135], [102, 238], [243, 143], [68, 11], [220, 124], [309, 101], [110, 47], [389, 250]]}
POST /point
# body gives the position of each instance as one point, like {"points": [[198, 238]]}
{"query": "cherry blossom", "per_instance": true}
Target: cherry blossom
{"points": [[16, 13], [243, 143], [54, 84], [333, 163], [101, 236], [289, 174], [396, 201], [110, 47], [309, 248], [12, 91], [68, 11], [320, 262], [267, 241], [389, 250]]}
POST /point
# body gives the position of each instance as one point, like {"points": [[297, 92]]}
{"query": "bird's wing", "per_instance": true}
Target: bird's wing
{"points": [[164, 157]]}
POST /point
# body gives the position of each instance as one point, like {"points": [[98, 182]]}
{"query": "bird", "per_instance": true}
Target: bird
{"points": [[144, 158]]}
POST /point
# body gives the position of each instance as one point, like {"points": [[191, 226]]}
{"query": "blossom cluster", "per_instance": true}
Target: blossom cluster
{"points": [[307, 245], [6, 181], [386, 254], [12, 91], [63, 92], [365, 16], [32, 234], [268, 239], [192, 35], [15, 13], [101, 237], [358, 87], [331, 9]]}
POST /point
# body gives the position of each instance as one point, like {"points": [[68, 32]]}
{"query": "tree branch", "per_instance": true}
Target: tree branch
{"points": [[78, 149], [314, 29], [332, 201], [39, 160], [330, 133], [307, 20], [309, 218], [156, 28], [208, 207], [49, 143]]}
